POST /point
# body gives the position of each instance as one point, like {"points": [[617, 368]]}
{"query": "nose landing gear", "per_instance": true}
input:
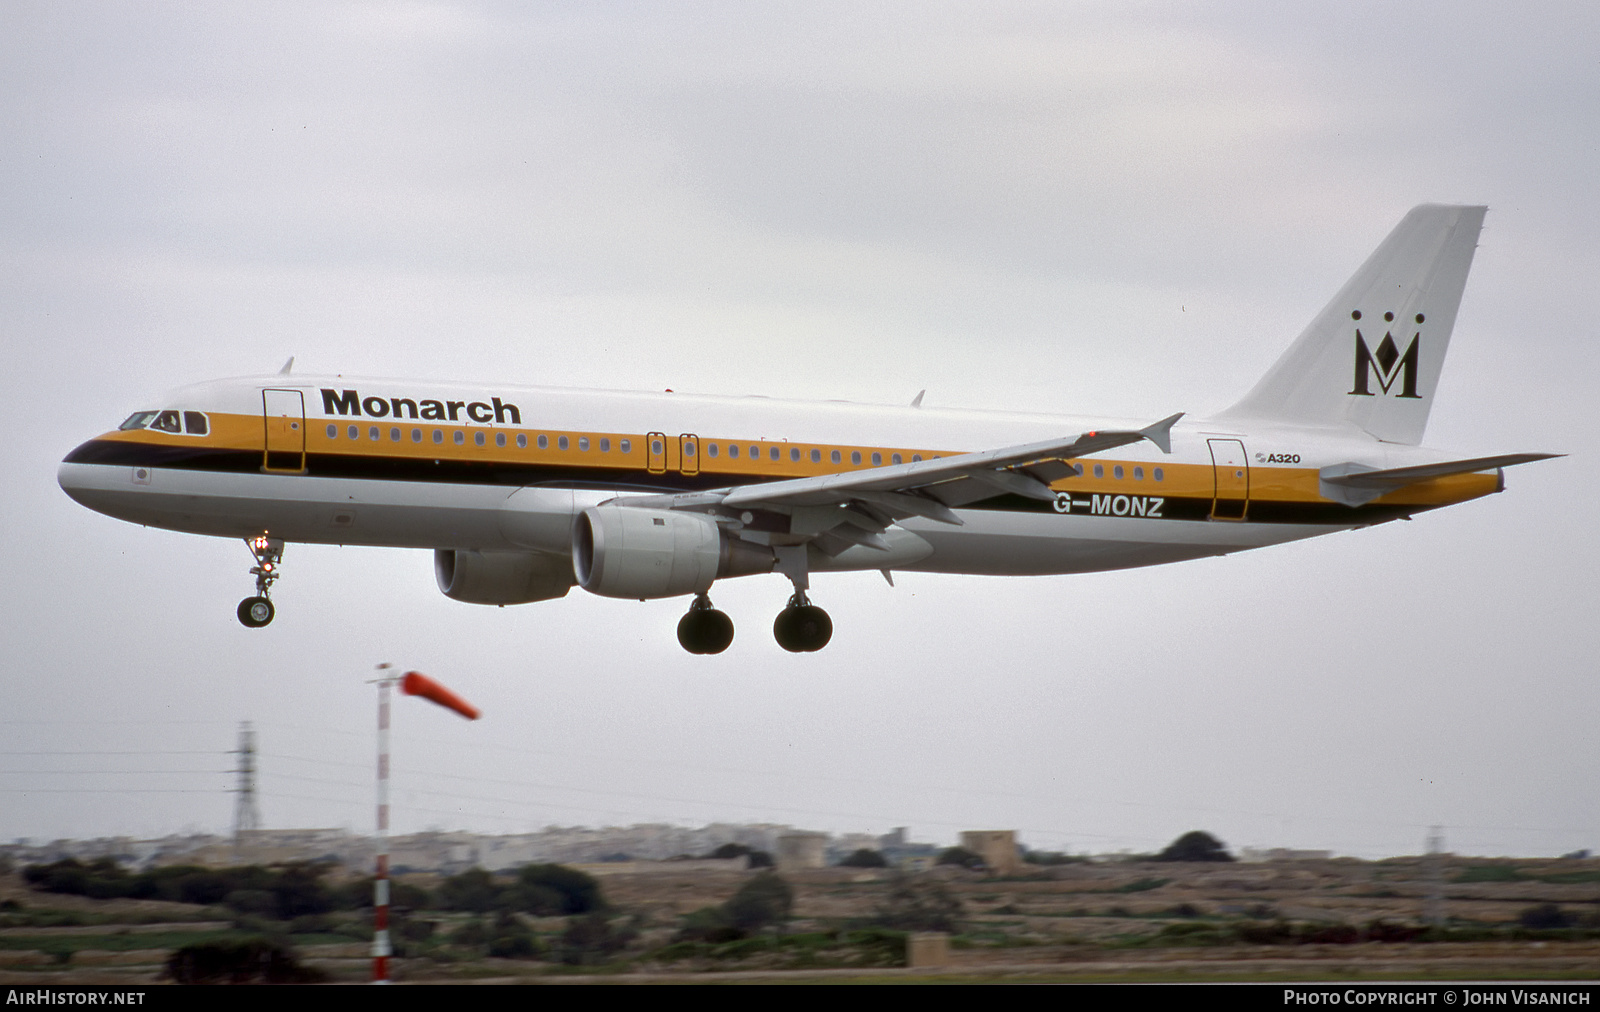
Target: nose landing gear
{"points": [[802, 627], [704, 629], [255, 612]]}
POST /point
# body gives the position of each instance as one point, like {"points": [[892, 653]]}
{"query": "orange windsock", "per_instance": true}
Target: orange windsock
{"points": [[415, 683]]}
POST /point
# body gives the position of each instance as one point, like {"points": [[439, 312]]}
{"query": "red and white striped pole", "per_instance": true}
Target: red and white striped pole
{"points": [[412, 683], [380, 882]]}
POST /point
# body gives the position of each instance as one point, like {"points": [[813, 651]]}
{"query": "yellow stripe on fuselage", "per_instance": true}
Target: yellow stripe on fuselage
{"points": [[1178, 480]]}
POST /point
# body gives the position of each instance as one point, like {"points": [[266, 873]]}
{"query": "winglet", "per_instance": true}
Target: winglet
{"points": [[287, 366], [1161, 432]]}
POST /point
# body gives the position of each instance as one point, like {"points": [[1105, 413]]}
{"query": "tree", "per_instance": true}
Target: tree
{"points": [[765, 899], [865, 858], [1195, 846]]}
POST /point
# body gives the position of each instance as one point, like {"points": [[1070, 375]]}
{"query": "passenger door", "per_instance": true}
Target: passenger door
{"points": [[284, 415], [1232, 474]]}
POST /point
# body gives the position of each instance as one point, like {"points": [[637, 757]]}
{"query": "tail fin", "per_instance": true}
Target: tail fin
{"points": [[1372, 357]]}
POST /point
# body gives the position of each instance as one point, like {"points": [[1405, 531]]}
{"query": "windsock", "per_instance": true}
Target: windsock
{"points": [[415, 683]]}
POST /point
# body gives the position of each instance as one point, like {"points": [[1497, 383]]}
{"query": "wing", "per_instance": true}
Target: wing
{"points": [[836, 511]]}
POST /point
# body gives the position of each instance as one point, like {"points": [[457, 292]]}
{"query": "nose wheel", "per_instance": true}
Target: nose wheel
{"points": [[704, 629], [255, 612], [802, 627]]}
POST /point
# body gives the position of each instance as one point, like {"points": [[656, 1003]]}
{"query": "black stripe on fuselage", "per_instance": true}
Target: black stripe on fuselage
{"points": [[474, 472]]}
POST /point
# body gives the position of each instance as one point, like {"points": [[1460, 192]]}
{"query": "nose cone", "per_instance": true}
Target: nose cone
{"points": [[92, 480]]}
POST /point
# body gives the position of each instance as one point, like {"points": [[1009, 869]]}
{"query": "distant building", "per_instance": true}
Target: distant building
{"points": [[1260, 854], [997, 847], [802, 850]]}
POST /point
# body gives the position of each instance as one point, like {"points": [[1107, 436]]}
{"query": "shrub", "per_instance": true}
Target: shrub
{"points": [[961, 856], [1545, 916], [243, 962], [569, 890], [592, 939], [918, 904], [865, 858], [708, 924]]}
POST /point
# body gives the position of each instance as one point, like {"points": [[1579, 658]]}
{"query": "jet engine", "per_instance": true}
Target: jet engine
{"points": [[623, 551], [501, 577]]}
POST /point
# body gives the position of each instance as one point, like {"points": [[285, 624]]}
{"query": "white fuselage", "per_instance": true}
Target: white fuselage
{"points": [[348, 471]]}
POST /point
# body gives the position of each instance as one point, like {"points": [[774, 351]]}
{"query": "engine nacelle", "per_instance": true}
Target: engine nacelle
{"points": [[622, 551], [501, 577]]}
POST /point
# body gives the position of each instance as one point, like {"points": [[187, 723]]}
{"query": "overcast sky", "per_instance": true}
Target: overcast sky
{"points": [[1127, 209]]}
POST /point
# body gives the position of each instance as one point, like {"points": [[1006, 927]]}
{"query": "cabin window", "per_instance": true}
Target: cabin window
{"points": [[137, 420], [816, 456], [374, 435], [394, 435], [333, 432], [776, 453], [916, 458], [755, 453], [1138, 474], [562, 443], [626, 446], [895, 459], [167, 421], [1099, 470], [1116, 472], [877, 458], [834, 457], [688, 449], [194, 423], [479, 438], [416, 435], [605, 445], [355, 432], [711, 450], [583, 442], [544, 442], [1158, 475], [855, 456], [438, 435], [794, 454], [522, 440], [499, 439], [733, 451]]}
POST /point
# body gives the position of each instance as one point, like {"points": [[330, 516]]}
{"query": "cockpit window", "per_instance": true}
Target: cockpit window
{"points": [[137, 420], [167, 421], [194, 423]]}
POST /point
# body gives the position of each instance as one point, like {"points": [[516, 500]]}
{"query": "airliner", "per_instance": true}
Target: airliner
{"points": [[523, 492]]}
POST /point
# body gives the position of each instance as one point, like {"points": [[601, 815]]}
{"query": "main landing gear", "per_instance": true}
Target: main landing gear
{"points": [[704, 629], [802, 627], [255, 612]]}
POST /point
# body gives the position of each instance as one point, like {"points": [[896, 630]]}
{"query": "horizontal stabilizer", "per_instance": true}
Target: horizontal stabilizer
{"points": [[1357, 484]]}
